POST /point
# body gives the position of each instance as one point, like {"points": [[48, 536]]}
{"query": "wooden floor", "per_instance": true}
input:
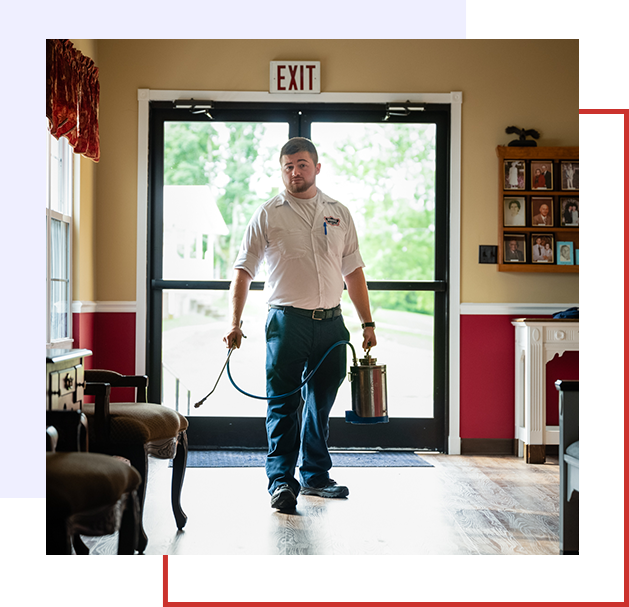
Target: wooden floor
{"points": [[464, 505]]}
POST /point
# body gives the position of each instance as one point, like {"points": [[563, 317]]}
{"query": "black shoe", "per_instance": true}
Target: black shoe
{"points": [[283, 498], [330, 489]]}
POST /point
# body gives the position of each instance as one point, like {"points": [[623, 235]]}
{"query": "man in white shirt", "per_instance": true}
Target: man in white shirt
{"points": [[538, 249], [311, 248]]}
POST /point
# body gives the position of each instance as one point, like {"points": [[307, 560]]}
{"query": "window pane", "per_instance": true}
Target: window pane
{"points": [[55, 173], [385, 174], [193, 353], [59, 276], [59, 249], [60, 175], [405, 346], [215, 177], [48, 144]]}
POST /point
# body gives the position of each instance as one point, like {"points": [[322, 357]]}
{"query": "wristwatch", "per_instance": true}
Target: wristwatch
{"points": [[369, 324]]}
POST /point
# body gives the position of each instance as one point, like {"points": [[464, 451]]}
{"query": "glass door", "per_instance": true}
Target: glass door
{"points": [[209, 171], [389, 188], [392, 174], [209, 174]]}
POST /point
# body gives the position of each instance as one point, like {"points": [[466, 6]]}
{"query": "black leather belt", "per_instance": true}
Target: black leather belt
{"points": [[314, 314]]}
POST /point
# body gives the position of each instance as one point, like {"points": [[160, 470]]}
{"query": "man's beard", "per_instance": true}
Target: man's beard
{"points": [[298, 188]]}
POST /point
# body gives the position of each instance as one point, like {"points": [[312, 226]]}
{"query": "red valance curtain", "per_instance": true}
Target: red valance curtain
{"points": [[72, 96]]}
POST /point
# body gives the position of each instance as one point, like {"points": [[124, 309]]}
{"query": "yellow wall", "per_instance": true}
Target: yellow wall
{"points": [[83, 252], [528, 83]]}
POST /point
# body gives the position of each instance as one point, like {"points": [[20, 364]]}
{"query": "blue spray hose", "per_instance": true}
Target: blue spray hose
{"points": [[338, 343]]}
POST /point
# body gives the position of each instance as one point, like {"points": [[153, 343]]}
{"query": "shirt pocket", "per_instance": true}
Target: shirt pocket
{"points": [[292, 244], [335, 241]]}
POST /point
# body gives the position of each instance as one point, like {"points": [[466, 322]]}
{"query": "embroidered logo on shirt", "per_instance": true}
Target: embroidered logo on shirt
{"points": [[332, 221]]}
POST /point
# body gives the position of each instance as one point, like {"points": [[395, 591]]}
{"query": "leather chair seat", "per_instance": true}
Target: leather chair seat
{"points": [[133, 423], [81, 482]]}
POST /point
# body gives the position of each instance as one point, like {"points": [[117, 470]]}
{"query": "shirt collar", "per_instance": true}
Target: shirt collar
{"points": [[281, 199]]}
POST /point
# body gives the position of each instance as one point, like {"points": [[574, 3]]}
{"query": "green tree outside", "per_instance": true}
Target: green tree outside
{"points": [[392, 166]]}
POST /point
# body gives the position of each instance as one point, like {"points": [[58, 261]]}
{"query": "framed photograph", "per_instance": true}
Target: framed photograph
{"points": [[514, 211], [487, 254], [514, 175], [541, 175], [514, 248], [576, 253], [569, 175], [542, 211], [569, 209], [565, 253], [542, 249]]}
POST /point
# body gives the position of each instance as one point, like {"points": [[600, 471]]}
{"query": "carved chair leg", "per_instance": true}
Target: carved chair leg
{"points": [[130, 525], [57, 536], [138, 457], [79, 545], [179, 472]]}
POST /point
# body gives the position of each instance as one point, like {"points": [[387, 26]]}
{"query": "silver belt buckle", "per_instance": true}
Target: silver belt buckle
{"points": [[315, 311]]}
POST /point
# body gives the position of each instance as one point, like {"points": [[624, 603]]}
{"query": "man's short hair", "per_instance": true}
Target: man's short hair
{"points": [[299, 144]]}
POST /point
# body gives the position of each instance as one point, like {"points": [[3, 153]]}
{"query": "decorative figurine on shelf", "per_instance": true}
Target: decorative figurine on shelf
{"points": [[522, 141]]}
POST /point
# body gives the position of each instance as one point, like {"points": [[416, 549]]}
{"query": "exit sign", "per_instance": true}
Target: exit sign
{"points": [[295, 77]]}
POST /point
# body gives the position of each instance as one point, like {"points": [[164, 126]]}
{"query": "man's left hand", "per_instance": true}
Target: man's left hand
{"points": [[369, 338]]}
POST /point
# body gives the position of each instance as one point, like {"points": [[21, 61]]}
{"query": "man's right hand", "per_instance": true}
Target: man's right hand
{"points": [[234, 337]]}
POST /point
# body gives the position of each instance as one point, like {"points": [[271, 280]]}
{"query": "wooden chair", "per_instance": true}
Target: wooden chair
{"points": [[136, 430], [90, 494]]}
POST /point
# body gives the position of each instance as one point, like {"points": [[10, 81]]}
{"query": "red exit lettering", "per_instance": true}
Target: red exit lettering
{"points": [[280, 78], [295, 77]]}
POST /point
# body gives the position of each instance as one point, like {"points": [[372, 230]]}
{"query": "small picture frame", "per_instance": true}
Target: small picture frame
{"points": [[541, 175], [542, 211], [514, 248], [569, 209], [487, 254], [542, 248], [514, 175], [514, 211], [569, 174], [576, 254], [565, 253]]}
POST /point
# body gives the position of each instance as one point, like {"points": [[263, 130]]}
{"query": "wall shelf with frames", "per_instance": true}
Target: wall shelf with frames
{"points": [[521, 189]]}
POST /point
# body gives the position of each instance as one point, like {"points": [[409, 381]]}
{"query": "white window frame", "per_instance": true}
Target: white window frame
{"points": [[67, 173], [454, 98]]}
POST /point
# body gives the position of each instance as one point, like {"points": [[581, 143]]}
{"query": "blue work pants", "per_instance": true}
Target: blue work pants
{"points": [[294, 346]]}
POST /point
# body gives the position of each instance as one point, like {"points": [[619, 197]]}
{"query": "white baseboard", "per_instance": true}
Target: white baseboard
{"points": [[83, 307], [515, 309]]}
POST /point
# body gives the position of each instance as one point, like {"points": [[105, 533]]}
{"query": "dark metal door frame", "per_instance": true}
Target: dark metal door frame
{"points": [[208, 432]]}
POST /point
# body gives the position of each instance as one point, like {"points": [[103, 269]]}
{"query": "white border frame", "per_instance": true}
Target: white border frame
{"points": [[455, 99]]}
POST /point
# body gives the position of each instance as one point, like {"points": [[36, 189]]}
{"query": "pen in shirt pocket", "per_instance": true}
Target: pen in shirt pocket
{"points": [[325, 228]]}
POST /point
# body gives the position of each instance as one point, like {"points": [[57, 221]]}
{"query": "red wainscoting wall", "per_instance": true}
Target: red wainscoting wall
{"points": [[488, 377], [111, 338]]}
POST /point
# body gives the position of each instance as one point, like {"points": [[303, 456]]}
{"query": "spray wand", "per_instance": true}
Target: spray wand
{"points": [[231, 349]]}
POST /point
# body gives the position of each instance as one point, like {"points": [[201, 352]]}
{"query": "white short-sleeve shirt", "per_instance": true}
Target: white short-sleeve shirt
{"points": [[306, 258]]}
